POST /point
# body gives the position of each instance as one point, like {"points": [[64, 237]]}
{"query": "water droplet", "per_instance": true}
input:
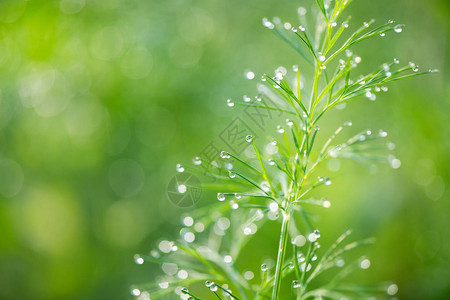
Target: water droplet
{"points": [[398, 28], [384, 88], [317, 233], [295, 284], [135, 292], [213, 288], [138, 259], [208, 283], [154, 254], [280, 129], [267, 23], [299, 241], [189, 237], [181, 188], [247, 231], [188, 221], [180, 168], [366, 24], [165, 246], [264, 267], [289, 122], [312, 237], [382, 133], [301, 28], [377, 89], [249, 138], [273, 206], [385, 67], [271, 162], [184, 290], [368, 132], [295, 68], [322, 57], [224, 155], [301, 11], [334, 24], [433, 70], [326, 203], [248, 275], [365, 264], [250, 75], [392, 289], [371, 96], [413, 66], [182, 274], [348, 52], [325, 180], [391, 21], [265, 186], [294, 29], [396, 61], [246, 98], [345, 25], [164, 285], [220, 197], [263, 78], [340, 263], [234, 205], [358, 59], [197, 161], [395, 163], [314, 258], [382, 34], [348, 123], [230, 103], [227, 259], [323, 67], [231, 174], [303, 267]]}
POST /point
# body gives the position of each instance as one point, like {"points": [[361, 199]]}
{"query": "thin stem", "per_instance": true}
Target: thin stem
{"points": [[281, 252]]}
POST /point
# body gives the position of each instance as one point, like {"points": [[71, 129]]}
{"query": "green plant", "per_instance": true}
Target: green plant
{"points": [[279, 184]]}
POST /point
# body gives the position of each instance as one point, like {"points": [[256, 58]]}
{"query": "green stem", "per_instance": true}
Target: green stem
{"points": [[281, 252]]}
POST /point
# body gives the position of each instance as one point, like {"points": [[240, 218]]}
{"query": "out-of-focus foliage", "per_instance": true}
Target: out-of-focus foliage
{"points": [[100, 99]]}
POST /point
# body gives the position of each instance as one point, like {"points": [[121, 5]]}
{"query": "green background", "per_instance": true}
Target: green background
{"points": [[100, 100]]}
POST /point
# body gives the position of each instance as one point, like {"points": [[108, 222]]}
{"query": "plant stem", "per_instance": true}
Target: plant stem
{"points": [[281, 251]]}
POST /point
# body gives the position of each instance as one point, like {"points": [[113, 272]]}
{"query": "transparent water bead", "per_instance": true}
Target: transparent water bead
{"points": [[345, 24], [312, 237], [237, 196], [289, 122], [208, 283], [271, 162], [334, 24], [326, 203], [325, 180], [181, 188], [366, 24], [164, 285], [249, 75], [197, 161], [234, 205], [396, 61], [301, 28], [382, 34], [365, 264], [369, 132], [231, 174], [180, 168], [295, 68], [371, 96], [263, 78], [398, 28], [413, 66], [395, 163], [264, 267], [299, 241], [314, 258], [294, 29], [247, 231], [340, 263], [301, 11], [280, 129], [213, 288], [392, 289], [227, 259], [295, 284], [317, 233], [348, 52], [224, 155], [273, 206], [220, 197], [348, 123], [188, 221], [267, 23], [358, 59], [248, 275], [138, 259], [182, 274], [322, 58], [189, 237], [246, 98], [382, 133], [230, 103], [249, 138], [135, 292]]}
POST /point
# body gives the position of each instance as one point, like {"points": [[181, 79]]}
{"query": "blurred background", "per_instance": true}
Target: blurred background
{"points": [[100, 99]]}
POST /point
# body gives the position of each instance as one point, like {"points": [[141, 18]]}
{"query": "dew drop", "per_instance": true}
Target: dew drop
{"points": [[247, 231], [181, 188], [384, 88], [249, 75], [208, 283], [295, 284], [382, 34], [395, 163], [301, 11], [301, 28], [189, 237], [383, 133], [135, 292], [317, 233], [294, 29], [326, 203], [314, 258], [340, 263], [230, 103], [180, 168], [188, 221], [334, 24], [264, 267], [289, 122], [234, 205], [365, 264], [248, 275], [348, 52], [224, 155], [366, 24], [398, 28], [273, 206], [299, 241], [220, 197], [391, 21], [232, 174], [237, 196], [197, 161], [348, 123], [249, 138], [271, 162], [312, 237], [227, 259], [213, 288], [280, 129], [385, 67], [322, 57], [358, 59], [295, 68], [267, 23], [396, 61], [138, 259], [263, 78], [345, 25], [392, 289], [164, 285]]}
